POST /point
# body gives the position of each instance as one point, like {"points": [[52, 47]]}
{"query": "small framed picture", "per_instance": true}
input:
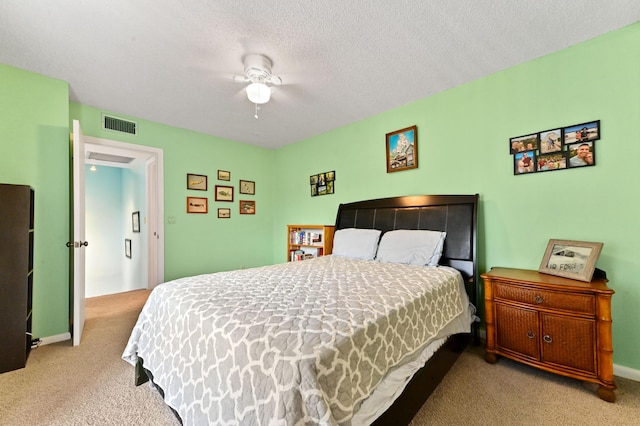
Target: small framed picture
{"points": [[330, 176], [582, 154], [127, 248], [198, 182], [314, 190], [329, 187], [313, 180], [523, 143], [553, 161], [402, 150], [135, 221], [524, 162], [247, 187], [247, 207], [224, 213], [224, 193], [582, 132], [571, 259], [551, 141], [197, 205], [224, 175]]}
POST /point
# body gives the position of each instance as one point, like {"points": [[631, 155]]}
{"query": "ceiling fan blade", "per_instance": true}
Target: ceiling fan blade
{"points": [[275, 80], [240, 79]]}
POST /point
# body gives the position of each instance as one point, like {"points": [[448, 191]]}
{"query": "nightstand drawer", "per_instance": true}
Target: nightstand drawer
{"points": [[580, 303]]}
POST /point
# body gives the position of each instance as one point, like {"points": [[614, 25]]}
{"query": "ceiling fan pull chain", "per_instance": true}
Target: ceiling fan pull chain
{"points": [[257, 108]]}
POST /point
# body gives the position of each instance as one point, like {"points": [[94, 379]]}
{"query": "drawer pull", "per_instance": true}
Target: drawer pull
{"points": [[547, 338], [538, 299], [530, 334]]}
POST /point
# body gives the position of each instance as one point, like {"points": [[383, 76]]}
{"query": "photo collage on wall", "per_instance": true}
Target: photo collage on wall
{"points": [[555, 149], [322, 183]]}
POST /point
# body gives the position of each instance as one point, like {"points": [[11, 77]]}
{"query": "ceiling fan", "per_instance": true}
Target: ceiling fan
{"points": [[257, 69]]}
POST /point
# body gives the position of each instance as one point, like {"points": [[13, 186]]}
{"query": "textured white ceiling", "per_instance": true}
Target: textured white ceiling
{"points": [[172, 61]]}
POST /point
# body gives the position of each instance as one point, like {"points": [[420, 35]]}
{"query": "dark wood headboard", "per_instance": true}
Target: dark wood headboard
{"points": [[455, 214]]}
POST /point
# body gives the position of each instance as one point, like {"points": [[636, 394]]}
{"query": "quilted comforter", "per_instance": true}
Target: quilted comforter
{"points": [[289, 344]]}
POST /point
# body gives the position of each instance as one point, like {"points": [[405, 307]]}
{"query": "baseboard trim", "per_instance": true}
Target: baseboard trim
{"points": [[626, 372], [55, 339]]}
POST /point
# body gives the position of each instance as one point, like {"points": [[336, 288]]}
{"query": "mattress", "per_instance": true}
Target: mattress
{"points": [[296, 343]]}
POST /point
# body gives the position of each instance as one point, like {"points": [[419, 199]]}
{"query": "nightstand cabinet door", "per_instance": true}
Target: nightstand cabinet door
{"points": [[569, 342], [517, 330]]}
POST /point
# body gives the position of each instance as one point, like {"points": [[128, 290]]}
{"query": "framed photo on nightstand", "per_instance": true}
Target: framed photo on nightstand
{"points": [[571, 259]]}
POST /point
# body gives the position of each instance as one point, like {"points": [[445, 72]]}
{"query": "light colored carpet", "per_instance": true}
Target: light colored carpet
{"points": [[91, 385]]}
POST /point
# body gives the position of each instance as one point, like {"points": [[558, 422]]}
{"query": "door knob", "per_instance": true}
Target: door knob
{"points": [[77, 244]]}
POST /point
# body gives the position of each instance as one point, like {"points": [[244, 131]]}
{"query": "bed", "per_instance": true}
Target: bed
{"points": [[352, 338]]}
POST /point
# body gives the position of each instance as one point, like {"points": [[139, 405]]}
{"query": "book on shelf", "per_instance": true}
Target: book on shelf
{"points": [[297, 255], [305, 238]]}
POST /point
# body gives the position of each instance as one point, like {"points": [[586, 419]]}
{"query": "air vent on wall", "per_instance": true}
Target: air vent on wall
{"points": [[119, 125], [109, 158]]}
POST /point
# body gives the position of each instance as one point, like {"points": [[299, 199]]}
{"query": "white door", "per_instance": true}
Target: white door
{"points": [[78, 241], [152, 219]]}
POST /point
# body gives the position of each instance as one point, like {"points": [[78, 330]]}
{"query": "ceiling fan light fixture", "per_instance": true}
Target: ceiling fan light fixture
{"points": [[258, 93]]}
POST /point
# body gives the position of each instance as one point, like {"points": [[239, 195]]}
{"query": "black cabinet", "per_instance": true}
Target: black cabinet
{"points": [[16, 275]]}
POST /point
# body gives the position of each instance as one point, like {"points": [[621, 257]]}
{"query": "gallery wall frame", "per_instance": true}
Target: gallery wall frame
{"points": [[402, 149], [524, 143], [322, 183], [224, 175], [197, 182], [559, 148], [247, 207], [247, 187], [224, 213], [224, 193], [127, 248], [135, 221], [583, 132], [197, 205], [571, 259]]}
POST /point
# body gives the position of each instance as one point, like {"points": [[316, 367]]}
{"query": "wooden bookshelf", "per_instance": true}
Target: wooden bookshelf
{"points": [[308, 241]]}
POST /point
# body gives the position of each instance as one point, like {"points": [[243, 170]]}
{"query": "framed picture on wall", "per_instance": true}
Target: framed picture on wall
{"points": [[197, 182], [571, 259], [550, 141], [523, 143], [552, 161], [224, 193], [582, 132], [247, 207], [524, 162], [247, 187], [197, 205], [127, 248], [224, 175], [402, 150], [224, 213], [582, 154], [135, 219]]}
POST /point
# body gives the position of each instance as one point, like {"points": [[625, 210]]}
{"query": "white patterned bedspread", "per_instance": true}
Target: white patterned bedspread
{"points": [[289, 344]]}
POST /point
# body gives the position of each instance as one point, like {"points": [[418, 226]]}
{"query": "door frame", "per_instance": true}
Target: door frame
{"points": [[153, 159]]}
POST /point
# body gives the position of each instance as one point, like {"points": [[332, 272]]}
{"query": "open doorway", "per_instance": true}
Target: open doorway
{"points": [[123, 217]]}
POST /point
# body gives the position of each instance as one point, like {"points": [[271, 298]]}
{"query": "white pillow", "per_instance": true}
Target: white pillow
{"points": [[412, 247], [356, 243]]}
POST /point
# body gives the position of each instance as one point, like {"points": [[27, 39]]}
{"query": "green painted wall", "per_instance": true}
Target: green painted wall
{"points": [[34, 150], [201, 243], [463, 147]]}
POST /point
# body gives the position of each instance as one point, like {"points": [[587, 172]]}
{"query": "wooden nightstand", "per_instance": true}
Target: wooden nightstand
{"points": [[556, 324]]}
